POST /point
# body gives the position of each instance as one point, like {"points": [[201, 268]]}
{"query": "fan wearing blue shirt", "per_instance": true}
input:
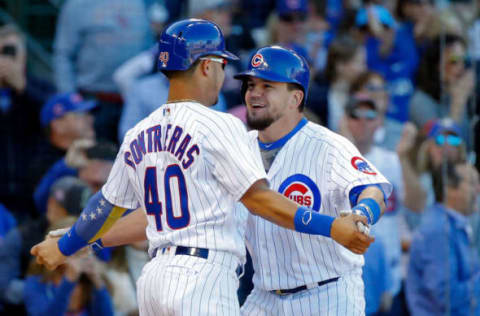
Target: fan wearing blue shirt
{"points": [[444, 271], [391, 51]]}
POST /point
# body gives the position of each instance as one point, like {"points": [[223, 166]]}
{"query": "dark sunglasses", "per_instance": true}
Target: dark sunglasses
{"points": [[363, 114], [293, 17], [452, 140]]}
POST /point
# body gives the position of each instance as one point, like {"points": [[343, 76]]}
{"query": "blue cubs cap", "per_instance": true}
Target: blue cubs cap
{"points": [[183, 42], [61, 104], [441, 126], [275, 63], [286, 7], [382, 14]]}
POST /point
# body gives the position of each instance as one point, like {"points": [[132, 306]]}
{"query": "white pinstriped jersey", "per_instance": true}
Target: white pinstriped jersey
{"points": [[316, 168], [186, 165]]}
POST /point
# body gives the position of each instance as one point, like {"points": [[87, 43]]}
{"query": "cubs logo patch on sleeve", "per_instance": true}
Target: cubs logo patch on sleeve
{"points": [[303, 190], [361, 165]]}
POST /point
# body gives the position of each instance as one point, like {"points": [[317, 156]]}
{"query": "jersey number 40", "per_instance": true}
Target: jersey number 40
{"points": [[152, 201]]}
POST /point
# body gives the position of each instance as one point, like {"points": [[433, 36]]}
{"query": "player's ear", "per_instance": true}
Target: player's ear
{"points": [[297, 97], [205, 67]]}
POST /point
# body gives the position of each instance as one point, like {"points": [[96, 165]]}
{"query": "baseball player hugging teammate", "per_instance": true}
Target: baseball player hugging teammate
{"points": [[186, 166], [295, 273]]}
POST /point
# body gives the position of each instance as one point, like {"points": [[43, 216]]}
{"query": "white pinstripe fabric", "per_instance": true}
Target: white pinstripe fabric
{"points": [[341, 298], [224, 168], [186, 285], [284, 259]]}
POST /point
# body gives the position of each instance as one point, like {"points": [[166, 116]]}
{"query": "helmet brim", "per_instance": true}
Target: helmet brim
{"points": [[225, 54]]}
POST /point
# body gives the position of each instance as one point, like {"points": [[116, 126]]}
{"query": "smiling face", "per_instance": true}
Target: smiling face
{"points": [[269, 102]]}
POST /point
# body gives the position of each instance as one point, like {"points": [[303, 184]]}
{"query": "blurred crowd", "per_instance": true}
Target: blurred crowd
{"points": [[399, 78]]}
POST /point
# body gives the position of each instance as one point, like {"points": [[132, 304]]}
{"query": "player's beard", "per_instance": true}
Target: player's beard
{"points": [[259, 123]]}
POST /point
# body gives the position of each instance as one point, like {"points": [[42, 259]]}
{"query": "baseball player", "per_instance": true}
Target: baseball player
{"points": [[186, 166], [295, 273]]}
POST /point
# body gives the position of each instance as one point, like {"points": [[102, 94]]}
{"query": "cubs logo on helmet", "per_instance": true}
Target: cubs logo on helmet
{"points": [[361, 165], [257, 60], [303, 190]]}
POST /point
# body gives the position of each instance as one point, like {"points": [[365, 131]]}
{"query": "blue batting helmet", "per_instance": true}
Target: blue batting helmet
{"points": [[183, 42], [275, 63]]}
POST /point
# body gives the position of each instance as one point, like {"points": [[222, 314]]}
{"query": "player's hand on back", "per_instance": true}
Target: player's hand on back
{"points": [[345, 231], [48, 254]]}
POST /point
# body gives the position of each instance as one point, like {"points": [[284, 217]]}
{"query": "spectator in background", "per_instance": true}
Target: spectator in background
{"points": [[66, 119], [390, 52], [93, 38], [287, 26], [88, 160], [319, 35], [75, 288], [362, 120], [419, 21], [142, 64], [445, 85], [444, 272], [345, 62], [21, 98], [440, 141], [68, 197], [373, 84]]}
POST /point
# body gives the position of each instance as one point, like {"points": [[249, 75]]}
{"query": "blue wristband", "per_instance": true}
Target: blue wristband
{"points": [[370, 208], [97, 245], [71, 242], [310, 222]]}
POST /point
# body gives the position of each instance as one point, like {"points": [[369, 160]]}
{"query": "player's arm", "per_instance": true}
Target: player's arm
{"points": [[274, 207], [370, 202], [96, 219], [127, 230]]}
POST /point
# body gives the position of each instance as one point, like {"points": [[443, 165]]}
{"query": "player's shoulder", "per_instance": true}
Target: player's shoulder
{"points": [[322, 134], [141, 125], [214, 121]]}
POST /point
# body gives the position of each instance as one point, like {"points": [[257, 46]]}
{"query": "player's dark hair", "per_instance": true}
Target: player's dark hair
{"points": [[171, 74], [295, 86]]}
